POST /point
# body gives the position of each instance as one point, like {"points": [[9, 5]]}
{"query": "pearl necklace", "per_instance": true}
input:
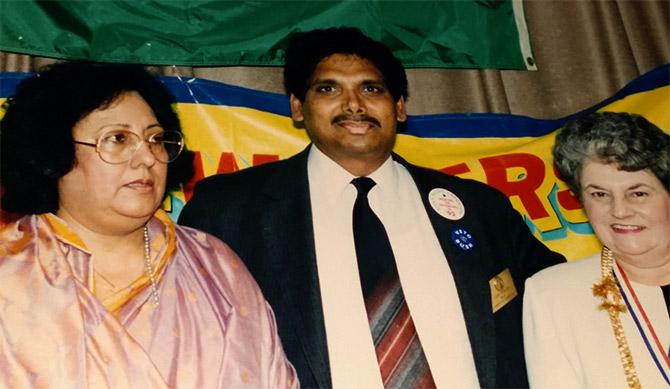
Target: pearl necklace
{"points": [[147, 265]]}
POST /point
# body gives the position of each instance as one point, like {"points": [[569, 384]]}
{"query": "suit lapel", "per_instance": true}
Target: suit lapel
{"points": [[289, 235], [470, 279]]}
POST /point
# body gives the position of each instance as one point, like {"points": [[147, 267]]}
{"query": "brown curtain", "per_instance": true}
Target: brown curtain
{"points": [[585, 51]]}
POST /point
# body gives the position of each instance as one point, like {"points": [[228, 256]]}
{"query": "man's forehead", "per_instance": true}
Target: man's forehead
{"points": [[348, 65]]}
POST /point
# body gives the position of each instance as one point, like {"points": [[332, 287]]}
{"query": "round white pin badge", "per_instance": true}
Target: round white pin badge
{"points": [[447, 204]]}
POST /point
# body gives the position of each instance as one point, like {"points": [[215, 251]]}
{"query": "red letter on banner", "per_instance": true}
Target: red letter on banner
{"points": [[455, 170], [197, 176], [227, 163], [260, 159], [496, 176]]}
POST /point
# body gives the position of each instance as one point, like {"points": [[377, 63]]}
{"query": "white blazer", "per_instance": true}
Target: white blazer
{"points": [[569, 342]]}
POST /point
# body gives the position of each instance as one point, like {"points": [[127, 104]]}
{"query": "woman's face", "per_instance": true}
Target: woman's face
{"points": [[112, 198], [629, 211]]}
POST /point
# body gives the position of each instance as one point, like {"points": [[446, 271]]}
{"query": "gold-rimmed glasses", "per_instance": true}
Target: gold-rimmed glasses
{"points": [[118, 146]]}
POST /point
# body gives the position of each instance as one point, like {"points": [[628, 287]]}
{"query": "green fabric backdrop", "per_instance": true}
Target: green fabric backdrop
{"points": [[457, 33]]}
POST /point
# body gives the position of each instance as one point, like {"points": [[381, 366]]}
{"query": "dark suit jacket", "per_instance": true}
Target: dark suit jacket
{"points": [[264, 214]]}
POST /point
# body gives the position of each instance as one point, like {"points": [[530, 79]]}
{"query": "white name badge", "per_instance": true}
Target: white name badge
{"points": [[446, 204]]}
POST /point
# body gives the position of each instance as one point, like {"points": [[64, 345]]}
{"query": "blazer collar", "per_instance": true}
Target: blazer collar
{"points": [[290, 237], [291, 250], [466, 268]]}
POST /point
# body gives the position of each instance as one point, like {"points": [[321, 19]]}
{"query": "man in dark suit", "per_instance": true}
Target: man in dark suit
{"points": [[462, 252]]}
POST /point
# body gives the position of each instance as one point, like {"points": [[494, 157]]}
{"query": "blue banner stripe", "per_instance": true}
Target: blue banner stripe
{"points": [[9, 81], [464, 125], [478, 125], [190, 90]]}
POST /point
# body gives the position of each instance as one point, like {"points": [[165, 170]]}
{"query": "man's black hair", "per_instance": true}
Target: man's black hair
{"points": [[307, 49]]}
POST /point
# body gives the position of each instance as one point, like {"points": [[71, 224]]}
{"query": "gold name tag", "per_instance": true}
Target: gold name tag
{"points": [[502, 290]]}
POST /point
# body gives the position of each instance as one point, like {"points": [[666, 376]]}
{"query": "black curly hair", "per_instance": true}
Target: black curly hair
{"points": [[36, 144]]}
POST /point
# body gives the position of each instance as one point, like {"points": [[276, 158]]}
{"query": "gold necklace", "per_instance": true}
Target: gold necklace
{"points": [[610, 295], [108, 282]]}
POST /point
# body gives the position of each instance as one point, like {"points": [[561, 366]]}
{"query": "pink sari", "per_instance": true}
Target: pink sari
{"points": [[212, 328]]}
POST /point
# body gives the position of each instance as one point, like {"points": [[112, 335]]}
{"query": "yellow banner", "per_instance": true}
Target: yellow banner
{"points": [[233, 128], [228, 138]]}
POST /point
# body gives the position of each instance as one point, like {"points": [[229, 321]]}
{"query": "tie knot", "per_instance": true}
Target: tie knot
{"points": [[363, 185]]}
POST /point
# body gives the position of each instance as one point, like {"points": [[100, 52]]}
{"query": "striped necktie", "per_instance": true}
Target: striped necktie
{"points": [[402, 362]]}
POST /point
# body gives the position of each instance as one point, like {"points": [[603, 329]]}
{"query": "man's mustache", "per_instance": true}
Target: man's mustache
{"points": [[356, 118]]}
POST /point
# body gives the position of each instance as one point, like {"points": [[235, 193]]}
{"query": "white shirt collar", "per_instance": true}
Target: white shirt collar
{"points": [[331, 180]]}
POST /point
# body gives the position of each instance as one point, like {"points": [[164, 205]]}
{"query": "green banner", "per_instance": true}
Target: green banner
{"points": [[445, 34]]}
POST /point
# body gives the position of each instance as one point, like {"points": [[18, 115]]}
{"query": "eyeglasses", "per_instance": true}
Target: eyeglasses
{"points": [[118, 146]]}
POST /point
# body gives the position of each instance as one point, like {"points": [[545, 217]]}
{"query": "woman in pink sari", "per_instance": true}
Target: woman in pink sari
{"points": [[98, 288]]}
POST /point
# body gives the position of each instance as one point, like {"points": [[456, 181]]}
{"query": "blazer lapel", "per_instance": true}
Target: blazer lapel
{"points": [[471, 282], [289, 235]]}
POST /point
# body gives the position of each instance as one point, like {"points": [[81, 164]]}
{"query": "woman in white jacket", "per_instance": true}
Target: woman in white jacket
{"points": [[603, 322]]}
